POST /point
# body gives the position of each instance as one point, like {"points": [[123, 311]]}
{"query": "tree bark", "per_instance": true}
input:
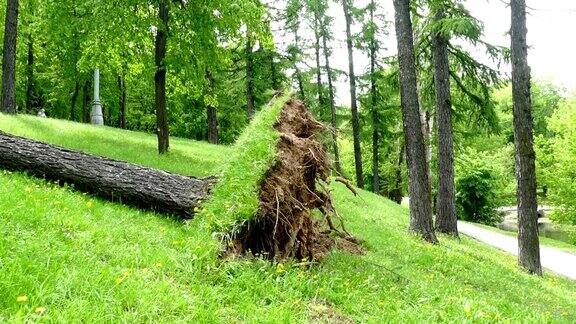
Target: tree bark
{"points": [[420, 195], [446, 220], [162, 128], [353, 102], [333, 120], [528, 241], [211, 113], [9, 58], [131, 184], [122, 100], [249, 76]]}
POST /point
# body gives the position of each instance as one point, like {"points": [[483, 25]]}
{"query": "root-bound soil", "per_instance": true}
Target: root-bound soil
{"points": [[284, 227]]}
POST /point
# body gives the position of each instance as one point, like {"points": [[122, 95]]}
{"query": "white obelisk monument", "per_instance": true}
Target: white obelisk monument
{"points": [[96, 114]]}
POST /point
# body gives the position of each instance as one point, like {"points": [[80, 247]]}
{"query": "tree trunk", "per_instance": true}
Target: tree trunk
{"points": [[9, 58], [446, 220], [317, 55], [131, 184], [420, 195], [31, 98], [353, 102], [73, 100], [528, 241], [86, 102], [162, 128], [333, 121], [211, 113], [249, 76], [375, 117], [122, 100]]}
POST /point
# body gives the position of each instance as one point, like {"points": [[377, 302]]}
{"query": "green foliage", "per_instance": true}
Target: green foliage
{"points": [[235, 198], [478, 185], [560, 174]]}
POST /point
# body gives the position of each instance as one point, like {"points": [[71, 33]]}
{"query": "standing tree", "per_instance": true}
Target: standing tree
{"points": [[446, 221], [420, 195], [9, 58], [333, 121], [346, 4], [162, 127], [528, 241]]}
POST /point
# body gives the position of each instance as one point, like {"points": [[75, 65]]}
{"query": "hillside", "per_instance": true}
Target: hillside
{"points": [[76, 258]]}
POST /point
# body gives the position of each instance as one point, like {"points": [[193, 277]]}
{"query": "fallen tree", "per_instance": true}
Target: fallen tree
{"points": [[128, 183], [262, 204]]}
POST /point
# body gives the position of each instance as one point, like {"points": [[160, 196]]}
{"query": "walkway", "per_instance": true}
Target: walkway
{"points": [[553, 259]]}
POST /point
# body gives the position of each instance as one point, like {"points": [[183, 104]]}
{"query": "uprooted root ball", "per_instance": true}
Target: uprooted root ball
{"points": [[284, 227]]}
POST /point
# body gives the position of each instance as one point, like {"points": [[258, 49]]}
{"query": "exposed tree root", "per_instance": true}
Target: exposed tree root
{"points": [[284, 227]]}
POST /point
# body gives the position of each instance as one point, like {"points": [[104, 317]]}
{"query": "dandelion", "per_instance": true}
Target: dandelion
{"points": [[40, 310], [22, 299], [89, 204], [280, 268]]}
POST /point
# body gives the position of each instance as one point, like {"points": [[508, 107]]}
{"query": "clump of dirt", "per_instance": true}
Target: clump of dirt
{"points": [[284, 227]]}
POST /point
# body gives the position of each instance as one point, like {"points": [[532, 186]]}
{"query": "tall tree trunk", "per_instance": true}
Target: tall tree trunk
{"points": [[73, 100], [528, 241], [122, 100], [317, 33], [211, 113], [31, 100], [446, 221], [375, 117], [333, 121], [420, 195], [353, 102], [9, 58], [249, 76], [162, 128], [86, 102]]}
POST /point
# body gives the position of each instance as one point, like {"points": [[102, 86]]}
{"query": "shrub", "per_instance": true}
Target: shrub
{"points": [[478, 186]]}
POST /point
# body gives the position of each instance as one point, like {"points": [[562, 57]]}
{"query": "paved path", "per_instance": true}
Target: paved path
{"points": [[553, 259]]}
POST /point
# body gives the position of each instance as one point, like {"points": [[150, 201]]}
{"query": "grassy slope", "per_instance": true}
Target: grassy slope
{"points": [[86, 259], [185, 157]]}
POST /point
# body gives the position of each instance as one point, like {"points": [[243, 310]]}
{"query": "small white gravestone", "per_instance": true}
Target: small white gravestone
{"points": [[97, 118]]}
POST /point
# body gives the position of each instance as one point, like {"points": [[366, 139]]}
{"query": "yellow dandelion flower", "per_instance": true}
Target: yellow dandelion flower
{"points": [[89, 204], [22, 299], [40, 310], [280, 268]]}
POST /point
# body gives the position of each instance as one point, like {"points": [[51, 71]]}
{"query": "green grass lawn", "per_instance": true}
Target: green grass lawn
{"points": [[67, 257], [185, 157]]}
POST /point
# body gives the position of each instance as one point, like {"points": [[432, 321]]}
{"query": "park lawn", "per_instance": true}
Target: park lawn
{"points": [[185, 157], [68, 257]]}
